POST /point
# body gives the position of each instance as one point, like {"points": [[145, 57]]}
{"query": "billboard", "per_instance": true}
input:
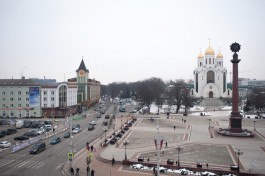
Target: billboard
{"points": [[34, 96]]}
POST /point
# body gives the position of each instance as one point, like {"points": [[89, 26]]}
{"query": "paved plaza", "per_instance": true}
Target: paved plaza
{"points": [[197, 141]]}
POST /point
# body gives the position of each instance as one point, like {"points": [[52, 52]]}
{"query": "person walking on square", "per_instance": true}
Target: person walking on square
{"points": [[113, 161], [166, 144], [92, 172], [87, 170]]}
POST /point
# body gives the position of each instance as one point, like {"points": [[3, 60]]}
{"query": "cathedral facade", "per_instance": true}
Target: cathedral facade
{"points": [[210, 76]]}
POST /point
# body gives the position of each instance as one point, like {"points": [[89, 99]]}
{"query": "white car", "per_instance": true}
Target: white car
{"points": [[93, 123], [5, 144], [138, 166], [76, 130]]}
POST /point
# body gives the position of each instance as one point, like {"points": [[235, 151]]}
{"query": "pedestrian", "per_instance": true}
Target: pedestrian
{"points": [[92, 172], [154, 170], [92, 148], [72, 171], [166, 144], [182, 120], [148, 159], [113, 161], [207, 165], [87, 170], [77, 171], [174, 127]]}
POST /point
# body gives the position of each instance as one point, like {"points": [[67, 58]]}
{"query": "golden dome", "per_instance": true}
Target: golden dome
{"points": [[200, 56], [209, 51], [219, 55]]}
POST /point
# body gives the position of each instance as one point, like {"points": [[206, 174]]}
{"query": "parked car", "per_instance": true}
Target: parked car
{"points": [[55, 140], [67, 135], [5, 144], [90, 127], [2, 135], [31, 134], [138, 166], [40, 131], [76, 130], [12, 130], [38, 147], [5, 132], [21, 138]]}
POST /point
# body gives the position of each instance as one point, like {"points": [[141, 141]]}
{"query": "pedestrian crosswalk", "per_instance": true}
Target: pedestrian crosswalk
{"points": [[29, 164]]}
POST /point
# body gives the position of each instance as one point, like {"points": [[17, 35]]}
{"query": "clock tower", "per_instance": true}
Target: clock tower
{"points": [[82, 77]]}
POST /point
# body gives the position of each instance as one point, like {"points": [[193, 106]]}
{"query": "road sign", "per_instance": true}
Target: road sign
{"points": [[70, 156]]}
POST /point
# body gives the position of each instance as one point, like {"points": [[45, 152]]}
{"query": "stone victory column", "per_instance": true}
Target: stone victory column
{"points": [[235, 120]]}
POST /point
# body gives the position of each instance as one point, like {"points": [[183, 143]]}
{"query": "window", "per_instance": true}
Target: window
{"points": [[210, 77], [19, 93], [213, 60], [3, 93], [45, 92], [209, 60], [45, 99], [3, 99], [52, 105], [45, 105], [27, 99], [18, 99], [11, 105], [27, 105], [11, 92], [11, 99], [205, 61], [3, 106], [52, 92], [19, 105], [27, 92], [52, 98]]}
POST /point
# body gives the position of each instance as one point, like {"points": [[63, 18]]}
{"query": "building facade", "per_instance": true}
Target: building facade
{"points": [[210, 76], [20, 98], [88, 90], [47, 98]]}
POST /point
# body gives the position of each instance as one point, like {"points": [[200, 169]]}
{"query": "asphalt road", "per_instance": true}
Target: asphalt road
{"points": [[49, 162]]}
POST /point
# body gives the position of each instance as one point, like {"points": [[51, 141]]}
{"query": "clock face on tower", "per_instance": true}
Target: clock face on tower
{"points": [[81, 73]]}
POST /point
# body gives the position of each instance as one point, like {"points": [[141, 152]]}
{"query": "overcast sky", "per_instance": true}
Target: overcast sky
{"points": [[127, 40]]}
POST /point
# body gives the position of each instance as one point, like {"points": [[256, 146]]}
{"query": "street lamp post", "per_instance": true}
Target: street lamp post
{"points": [[105, 130], [254, 121], [121, 124], [178, 149], [209, 123], [238, 153], [158, 143], [125, 144]]}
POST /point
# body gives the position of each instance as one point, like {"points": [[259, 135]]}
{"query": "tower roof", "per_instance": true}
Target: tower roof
{"points": [[82, 66], [219, 55], [209, 51], [200, 56]]}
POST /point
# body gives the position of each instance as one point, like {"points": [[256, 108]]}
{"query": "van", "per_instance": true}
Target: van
{"points": [[38, 147]]}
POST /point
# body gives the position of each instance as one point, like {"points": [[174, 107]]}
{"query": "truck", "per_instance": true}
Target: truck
{"points": [[19, 124]]}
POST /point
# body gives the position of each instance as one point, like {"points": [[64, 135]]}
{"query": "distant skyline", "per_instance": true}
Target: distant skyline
{"points": [[127, 41]]}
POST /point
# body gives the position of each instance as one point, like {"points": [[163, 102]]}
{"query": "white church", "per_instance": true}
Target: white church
{"points": [[210, 76]]}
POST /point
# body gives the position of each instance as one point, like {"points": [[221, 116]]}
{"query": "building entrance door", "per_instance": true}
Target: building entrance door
{"points": [[210, 94]]}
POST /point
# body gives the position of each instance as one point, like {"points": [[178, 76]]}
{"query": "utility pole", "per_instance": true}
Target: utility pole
{"points": [[238, 153]]}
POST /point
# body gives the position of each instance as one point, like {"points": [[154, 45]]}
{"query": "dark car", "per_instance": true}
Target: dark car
{"points": [[36, 148], [31, 134], [55, 140], [2, 135], [12, 130], [21, 138], [90, 127], [5, 132], [27, 123], [67, 135], [75, 126]]}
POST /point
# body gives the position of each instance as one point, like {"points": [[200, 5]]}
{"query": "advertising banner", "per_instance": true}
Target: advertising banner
{"points": [[34, 96]]}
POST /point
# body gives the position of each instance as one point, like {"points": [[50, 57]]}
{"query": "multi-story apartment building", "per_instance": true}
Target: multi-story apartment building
{"points": [[47, 98]]}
